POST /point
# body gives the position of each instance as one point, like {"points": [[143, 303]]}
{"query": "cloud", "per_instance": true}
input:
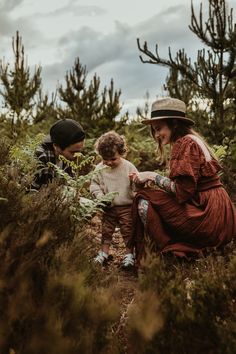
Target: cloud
{"points": [[9, 24], [167, 29], [93, 47], [96, 49], [75, 9], [8, 5], [111, 55], [6, 25], [116, 55]]}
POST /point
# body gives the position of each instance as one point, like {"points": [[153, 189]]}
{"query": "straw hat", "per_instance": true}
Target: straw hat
{"points": [[166, 108]]}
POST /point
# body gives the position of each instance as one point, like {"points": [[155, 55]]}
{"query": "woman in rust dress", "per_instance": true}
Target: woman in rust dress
{"points": [[191, 210]]}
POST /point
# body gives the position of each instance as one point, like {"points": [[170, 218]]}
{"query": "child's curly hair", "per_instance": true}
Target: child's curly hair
{"points": [[110, 143]]}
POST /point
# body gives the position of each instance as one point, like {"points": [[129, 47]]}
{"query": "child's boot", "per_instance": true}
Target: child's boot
{"points": [[128, 262], [101, 258]]}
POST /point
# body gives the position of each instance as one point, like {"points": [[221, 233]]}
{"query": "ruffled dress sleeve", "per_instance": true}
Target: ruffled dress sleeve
{"points": [[187, 166]]}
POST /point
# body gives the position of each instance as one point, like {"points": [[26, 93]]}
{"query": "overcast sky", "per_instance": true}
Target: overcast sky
{"points": [[102, 33]]}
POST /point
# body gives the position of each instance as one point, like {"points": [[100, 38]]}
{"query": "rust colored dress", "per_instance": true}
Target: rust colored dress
{"points": [[199, 216]]}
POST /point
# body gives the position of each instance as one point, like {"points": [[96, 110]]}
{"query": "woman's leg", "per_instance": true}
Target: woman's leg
{"points": [[142, 210]]}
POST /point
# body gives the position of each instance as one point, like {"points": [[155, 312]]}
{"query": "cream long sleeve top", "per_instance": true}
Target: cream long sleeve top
{"points": [[114, 180]]}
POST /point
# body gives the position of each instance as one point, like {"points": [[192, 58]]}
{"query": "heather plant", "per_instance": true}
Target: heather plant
{"points": [[185, 307], [49, 299]]}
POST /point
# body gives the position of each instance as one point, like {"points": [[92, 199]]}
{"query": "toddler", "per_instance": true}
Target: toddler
{"points": [[112, 149]]}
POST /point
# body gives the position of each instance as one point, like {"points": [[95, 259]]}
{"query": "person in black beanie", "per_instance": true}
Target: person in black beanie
{"points": [[66, 138]]}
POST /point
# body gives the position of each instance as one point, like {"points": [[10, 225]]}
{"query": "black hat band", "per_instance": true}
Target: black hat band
{"points": [[167, 113]]}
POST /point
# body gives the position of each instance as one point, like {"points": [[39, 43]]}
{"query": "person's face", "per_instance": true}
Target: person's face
{"points": [[161, 132], [112, 161], [70, 151]]}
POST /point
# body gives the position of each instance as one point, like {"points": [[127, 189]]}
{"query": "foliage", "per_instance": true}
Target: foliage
{"points": [[192, 306], [94, 110], [229, 166], [47, 283], [144, 112], [52, 298], [24, 102], [19, 88], [142, 149], [45, 108], [23, 155], [75, 191]]}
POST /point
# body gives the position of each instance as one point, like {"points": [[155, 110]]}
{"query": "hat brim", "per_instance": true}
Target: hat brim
{"points": [[155, 119]]}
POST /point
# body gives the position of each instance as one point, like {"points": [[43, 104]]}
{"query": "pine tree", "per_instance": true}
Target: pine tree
{"points": [[94, 110], [143, 112], [46, 107], [19, 89], [211, 77]]}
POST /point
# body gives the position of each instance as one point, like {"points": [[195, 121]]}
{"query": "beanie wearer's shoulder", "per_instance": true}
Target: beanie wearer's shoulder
{"points": [[45, 153]]}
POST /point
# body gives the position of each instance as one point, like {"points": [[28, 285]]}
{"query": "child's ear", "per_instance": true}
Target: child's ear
{"points": [[124, 151]]}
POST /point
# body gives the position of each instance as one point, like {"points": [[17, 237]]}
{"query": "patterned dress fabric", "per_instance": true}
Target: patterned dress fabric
{"points": [[198, 216]]}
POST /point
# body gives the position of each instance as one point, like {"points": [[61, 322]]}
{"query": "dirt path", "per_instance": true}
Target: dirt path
{"points": [[126, 285]]}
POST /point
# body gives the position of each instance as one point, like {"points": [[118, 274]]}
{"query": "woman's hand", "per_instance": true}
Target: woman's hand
{"points": [[142, 177]]}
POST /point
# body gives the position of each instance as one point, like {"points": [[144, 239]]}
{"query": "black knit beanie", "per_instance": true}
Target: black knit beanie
{"points": [[66, 132]]}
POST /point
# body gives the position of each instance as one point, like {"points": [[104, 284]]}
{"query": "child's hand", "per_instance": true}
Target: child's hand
{"points": [[134, 183], [142, 177], [132, 176]]}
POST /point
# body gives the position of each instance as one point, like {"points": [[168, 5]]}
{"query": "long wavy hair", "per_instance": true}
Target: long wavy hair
{"points": [[179, 128]]}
